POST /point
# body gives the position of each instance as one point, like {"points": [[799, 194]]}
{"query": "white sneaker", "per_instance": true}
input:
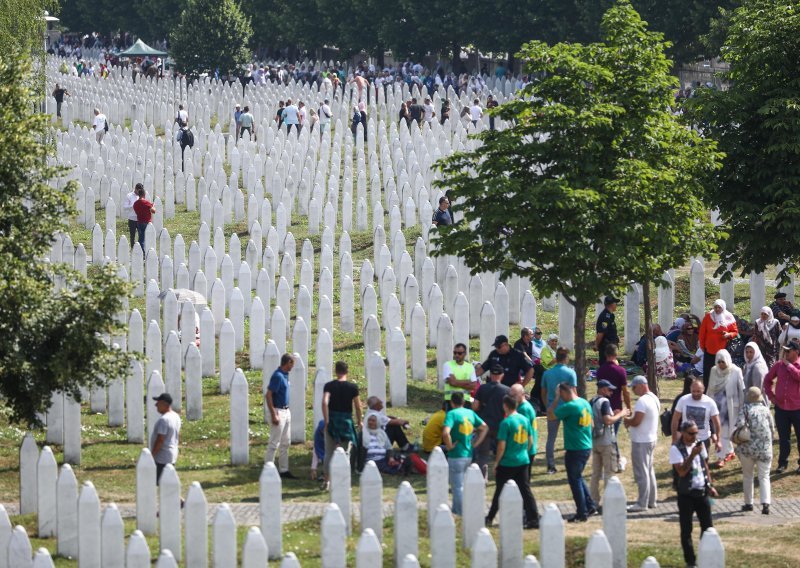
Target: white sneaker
{"points": [[635, 509], [622, 463]]}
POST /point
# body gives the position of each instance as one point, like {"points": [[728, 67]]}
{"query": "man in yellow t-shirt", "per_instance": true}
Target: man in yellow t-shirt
{"points": [[432, 434]]}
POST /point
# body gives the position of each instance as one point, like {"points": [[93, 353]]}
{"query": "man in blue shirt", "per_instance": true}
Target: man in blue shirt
{"points": [[280, 417], [560, 373]]}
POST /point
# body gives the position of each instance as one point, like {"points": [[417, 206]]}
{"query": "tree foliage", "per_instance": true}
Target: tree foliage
{"points": [[49, 341], [22, 26], [212, 35], [757, 124], [597, 183]]}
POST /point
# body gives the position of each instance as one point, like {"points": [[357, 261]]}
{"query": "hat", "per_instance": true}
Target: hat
{"points": [[610, 300], [552, 337], [792, 345], [604, 384], [499, 340], [165, 396], [753, 394], [780, 295], [637, 380], [497, 370], [238, 105]]}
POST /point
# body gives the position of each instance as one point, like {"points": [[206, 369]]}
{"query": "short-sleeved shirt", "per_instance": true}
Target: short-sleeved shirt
{"points": [[698, 471], [142, 208], [607, 325], [291, 115], [700, 411], [168, 425], [246, 120], [279, 387], [514, 365], [432, 434], [490, 395], [59, 95], [647, 430], [577, 418], [443, 217], [526, 409], [342, 395], [555, 376], [462, 423], [416, 112], [515, 431], [617, 376], [99, 122], [602, 434]]}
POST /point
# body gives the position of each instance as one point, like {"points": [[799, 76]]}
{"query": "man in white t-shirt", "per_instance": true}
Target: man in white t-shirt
{"points": [[475, 112], [302, 115], [99, 126], [291, 116], [702, 409], [430, 113], [325, 115], [643, 429], [166, 434]]}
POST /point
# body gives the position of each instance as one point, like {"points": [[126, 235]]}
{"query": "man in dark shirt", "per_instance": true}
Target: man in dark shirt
{"points": [[488, 403], [513, 363], [610, 370], [58, 95], [606, 328], [339, 400], [442, 216], [416, 111], [781, 307], [525, 342], [280, 417], [491, 103]]}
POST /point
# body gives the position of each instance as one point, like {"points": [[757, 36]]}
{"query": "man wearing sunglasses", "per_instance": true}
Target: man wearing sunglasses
{"points": [[459, 376]]}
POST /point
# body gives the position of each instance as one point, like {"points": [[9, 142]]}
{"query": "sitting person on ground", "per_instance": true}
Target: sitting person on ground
{"points": [[665, 366], [432, 434], [378, 447], [393, 426]]}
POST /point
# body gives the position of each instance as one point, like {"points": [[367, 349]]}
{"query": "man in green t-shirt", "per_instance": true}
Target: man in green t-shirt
{"points": [[512, 460], [526, 409], [460, 425], [576, 414]]}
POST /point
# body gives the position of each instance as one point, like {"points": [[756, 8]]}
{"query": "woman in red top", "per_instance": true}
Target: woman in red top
{"points": [[718, 327], [144, 213]]}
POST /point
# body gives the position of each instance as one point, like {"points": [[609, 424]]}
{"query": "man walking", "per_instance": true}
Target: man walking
{"points": [[603, 437], [643, 428], [782, 387], [339, 400], [610, 370], [576, 414], [127, 208], [512, 462], [488, 404], [559, 374], [525, 408], [606, 328], [247, 122], [325, 115], [100, 126], [700, 408], [459, 376], [280, 416], [442, 215], [144, 214], [58, 94], [166, 434], [463, 429], [291, 117]]}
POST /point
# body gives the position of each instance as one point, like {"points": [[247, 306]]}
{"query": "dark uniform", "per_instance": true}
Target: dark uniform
{"points": [[514, 364], [607, 325]]}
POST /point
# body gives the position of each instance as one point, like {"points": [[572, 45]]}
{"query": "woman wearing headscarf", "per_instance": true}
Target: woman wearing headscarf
{"points": [[665, 365], [718, 327], [791, 330], [767, 336], [755, 367], [688, 343], [726, 387], [376, 443], [757, 452]]}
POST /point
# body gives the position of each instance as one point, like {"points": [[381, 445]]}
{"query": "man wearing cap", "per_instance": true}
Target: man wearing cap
{"points": [[165, 436], [782, 388], [459, 376], [643, 429], [513, 363], [560, 373], [606, 328], [616, 374], [781, 307], [488, 404], [603, 436], [280, 417]]}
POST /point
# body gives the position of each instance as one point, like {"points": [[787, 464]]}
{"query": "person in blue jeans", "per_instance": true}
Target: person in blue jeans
{"points": [[463, 429], [576, 414], [558, 374]]}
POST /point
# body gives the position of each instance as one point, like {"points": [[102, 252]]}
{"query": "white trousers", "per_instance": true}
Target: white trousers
{"points": [[280, 437]]}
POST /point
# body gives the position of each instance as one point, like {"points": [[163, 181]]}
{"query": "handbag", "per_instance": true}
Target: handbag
{"points": [[741, 435]]}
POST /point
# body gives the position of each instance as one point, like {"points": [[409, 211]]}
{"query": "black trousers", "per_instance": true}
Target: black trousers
{"points": [[687, 507], [785, 420], [521, 476], [132, 227], [708, 364], [397, 435]]}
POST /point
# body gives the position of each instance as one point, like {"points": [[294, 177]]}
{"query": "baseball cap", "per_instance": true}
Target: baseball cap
{"points": [[610, 300], [637, 380], [792, 345], [604, 384], [497, 370], [780, 295], [499, 340], [165, 396]]}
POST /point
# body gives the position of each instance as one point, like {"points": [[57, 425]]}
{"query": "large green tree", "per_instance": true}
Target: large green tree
{"points": [[212, 35], [49, 340], [757, 124], [595, 185], [22, 26]]}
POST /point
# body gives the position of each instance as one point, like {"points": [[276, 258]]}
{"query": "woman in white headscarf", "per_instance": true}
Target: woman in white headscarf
{"points": [[755, 367], [717, 329], [767, 336], [726, 387], [665, 365]]}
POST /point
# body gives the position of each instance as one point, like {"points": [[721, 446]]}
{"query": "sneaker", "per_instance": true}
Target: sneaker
{"points": [[636, 509], [551, 470], [797, 471], [577, 519], [765, 509], [287, 475], [623, 462], [780, 470], [747, 508], [592, 512], [325, 485], [487, 522], [532, 525]]}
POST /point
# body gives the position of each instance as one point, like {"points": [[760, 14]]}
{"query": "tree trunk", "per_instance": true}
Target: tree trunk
{"points": [[580, 346], [381, 57], [456, 61], [510, 62], [652, 379]]}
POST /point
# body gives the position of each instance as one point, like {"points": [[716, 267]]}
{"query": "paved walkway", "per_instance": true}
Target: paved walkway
{"points": [[246, 514]]}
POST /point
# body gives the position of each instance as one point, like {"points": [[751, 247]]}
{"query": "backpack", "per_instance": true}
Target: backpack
{"points": [[106, 126], [666, 422], [187, 138], [598, 424]]}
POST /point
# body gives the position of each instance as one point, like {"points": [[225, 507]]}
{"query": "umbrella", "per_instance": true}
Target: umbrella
{"points": [[185, 295]]}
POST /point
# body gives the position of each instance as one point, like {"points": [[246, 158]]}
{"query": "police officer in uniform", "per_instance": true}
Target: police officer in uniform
{"points": [[606, 328], [513, 362]]}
